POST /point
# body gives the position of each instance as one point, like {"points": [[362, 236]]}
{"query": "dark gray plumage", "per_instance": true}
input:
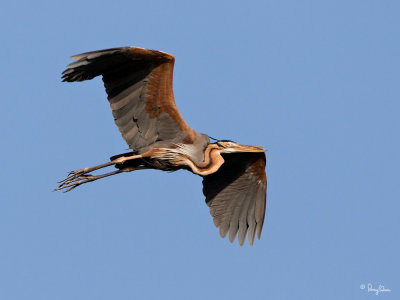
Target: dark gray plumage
{"points": [[138, 83], [234, 193]]}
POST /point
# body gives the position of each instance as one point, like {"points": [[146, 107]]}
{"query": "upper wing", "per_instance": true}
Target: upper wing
{"points": [[138, 83], [236, 195]]}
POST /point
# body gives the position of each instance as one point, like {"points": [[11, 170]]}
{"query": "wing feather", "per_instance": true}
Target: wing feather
{"points": [[234, 223], [243, 223], [138, 83], [236, 195]]}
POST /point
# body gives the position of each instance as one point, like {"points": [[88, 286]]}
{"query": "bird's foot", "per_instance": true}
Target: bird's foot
{"points": [[75, 174], [78, 177]]}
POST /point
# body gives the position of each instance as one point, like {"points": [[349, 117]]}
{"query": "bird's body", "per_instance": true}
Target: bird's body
{"points": [[139, 87]]}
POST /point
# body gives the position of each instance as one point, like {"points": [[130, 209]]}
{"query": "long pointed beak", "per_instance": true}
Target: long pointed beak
{"points": [[246, 148]]}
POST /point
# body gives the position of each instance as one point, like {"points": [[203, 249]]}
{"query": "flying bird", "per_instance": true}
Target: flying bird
{"points": [[138, 83]]}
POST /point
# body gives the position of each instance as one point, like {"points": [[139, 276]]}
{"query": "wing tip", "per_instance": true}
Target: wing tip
{"points": [[97, 52], [251, 234]]}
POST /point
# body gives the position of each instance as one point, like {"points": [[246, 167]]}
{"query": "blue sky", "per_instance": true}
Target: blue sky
{"points": [[314, 82]]}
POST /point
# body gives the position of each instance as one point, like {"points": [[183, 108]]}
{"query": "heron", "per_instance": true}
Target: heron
{"points": [[138, 83]]}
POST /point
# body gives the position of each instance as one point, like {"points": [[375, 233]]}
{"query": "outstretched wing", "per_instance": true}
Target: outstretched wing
{"points": [[236, 195], [138, 83]]}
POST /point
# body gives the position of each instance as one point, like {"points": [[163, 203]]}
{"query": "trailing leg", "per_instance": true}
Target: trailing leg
{"points": [[78, 177]]}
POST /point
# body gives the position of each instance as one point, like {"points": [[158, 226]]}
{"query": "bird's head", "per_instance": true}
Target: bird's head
{"points": [[226, 146]]}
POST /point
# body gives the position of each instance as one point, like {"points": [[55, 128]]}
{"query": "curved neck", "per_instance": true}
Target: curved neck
{"points": [[213, 160]]}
